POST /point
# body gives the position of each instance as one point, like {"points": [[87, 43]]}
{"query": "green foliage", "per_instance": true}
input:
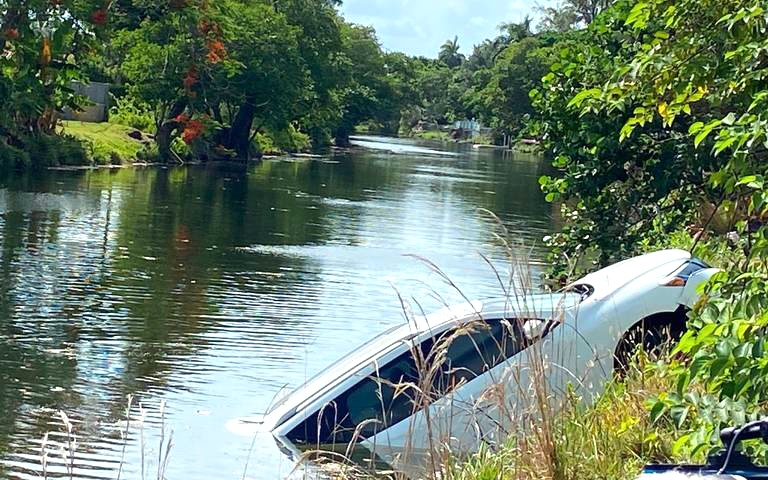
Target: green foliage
{"points": [[42, 45], [239, 67], [492, 85], [500, 97], [43, 150], [570, 14], [12, 158], [615, 191], [655, 115], [449, 54], [133, 113], [288, 140], [373, 87]]}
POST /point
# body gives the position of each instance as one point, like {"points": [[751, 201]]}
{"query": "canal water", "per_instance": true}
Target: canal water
{"points": [[205, 293]]}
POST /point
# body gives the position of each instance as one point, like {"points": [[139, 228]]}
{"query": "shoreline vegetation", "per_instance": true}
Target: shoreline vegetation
{"points": [[207, 84]]}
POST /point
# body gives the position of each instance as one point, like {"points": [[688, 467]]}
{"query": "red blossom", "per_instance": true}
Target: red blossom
{"points": [[99, 17], [11, 33], [216, 51], [192, 131], [191, 78]]}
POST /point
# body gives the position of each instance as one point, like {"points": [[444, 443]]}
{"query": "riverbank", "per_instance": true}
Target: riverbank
{"points": [[480, 141], [78, 144], [86, 144], [109, 143]]}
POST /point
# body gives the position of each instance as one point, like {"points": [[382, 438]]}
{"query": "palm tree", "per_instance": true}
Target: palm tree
{"points": [[514, 32], [571, 14], [449, 53]]}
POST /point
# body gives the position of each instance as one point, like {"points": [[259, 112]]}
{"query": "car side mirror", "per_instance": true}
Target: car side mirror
{"points": [[534, 329], [691, 293]]}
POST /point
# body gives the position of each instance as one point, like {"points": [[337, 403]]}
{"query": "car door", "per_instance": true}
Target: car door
{"points": [[465, 362]]}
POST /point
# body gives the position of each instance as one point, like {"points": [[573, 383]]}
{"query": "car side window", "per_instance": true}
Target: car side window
{"points": [[390, 395], [475, 352]]}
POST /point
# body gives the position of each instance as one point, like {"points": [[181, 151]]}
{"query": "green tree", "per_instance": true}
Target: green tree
{"points": [[366, 95], [219, 74], [42, 45], [570, 14], [501, 95], [449, 53]]}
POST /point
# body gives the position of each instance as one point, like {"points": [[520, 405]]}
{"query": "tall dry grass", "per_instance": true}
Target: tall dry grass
{"points": [[610, 439], [61, 447]]}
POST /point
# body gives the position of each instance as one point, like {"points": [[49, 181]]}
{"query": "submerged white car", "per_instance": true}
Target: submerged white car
{"points": [[458, 375]]}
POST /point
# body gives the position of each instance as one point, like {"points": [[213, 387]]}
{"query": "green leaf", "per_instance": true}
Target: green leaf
{"points": [[584, 95], [679, 414], [723, 144], [680, 443], [756, 182], [718, 366], [705, 131], [696, 128], [698, 365], [657, 411], [638, 16]]}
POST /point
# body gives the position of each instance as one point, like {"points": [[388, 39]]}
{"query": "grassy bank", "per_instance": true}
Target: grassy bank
{"points": [[77, 144], [433, 135], [108, 143]]}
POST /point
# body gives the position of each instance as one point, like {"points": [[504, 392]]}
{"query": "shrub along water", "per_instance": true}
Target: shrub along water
{"points": [[43, 150], [655, 115]]}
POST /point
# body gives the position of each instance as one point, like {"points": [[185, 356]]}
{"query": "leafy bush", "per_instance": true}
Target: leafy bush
{"points": [[12, 157], [282, 141], [656, 116], [133, 113], [55, 151]]}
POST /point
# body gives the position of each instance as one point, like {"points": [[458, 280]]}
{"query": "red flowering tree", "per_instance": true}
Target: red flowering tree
{"points": [[215, 72]]}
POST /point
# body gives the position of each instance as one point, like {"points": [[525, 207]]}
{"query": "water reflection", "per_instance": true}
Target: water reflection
{"points": [[212, 290]]}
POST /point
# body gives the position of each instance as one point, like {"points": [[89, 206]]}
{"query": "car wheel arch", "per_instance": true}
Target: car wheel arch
{"points": [[650, 332]]}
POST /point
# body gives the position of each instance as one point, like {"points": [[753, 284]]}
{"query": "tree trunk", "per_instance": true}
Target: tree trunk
{"points": [[164, 134], [239, 137], [341, 138]]}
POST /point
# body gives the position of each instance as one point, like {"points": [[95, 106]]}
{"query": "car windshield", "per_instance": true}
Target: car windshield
{"points": [[691, 267]]}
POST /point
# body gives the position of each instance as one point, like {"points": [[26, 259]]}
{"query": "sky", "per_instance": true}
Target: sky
{"points": [[420, 27]]}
